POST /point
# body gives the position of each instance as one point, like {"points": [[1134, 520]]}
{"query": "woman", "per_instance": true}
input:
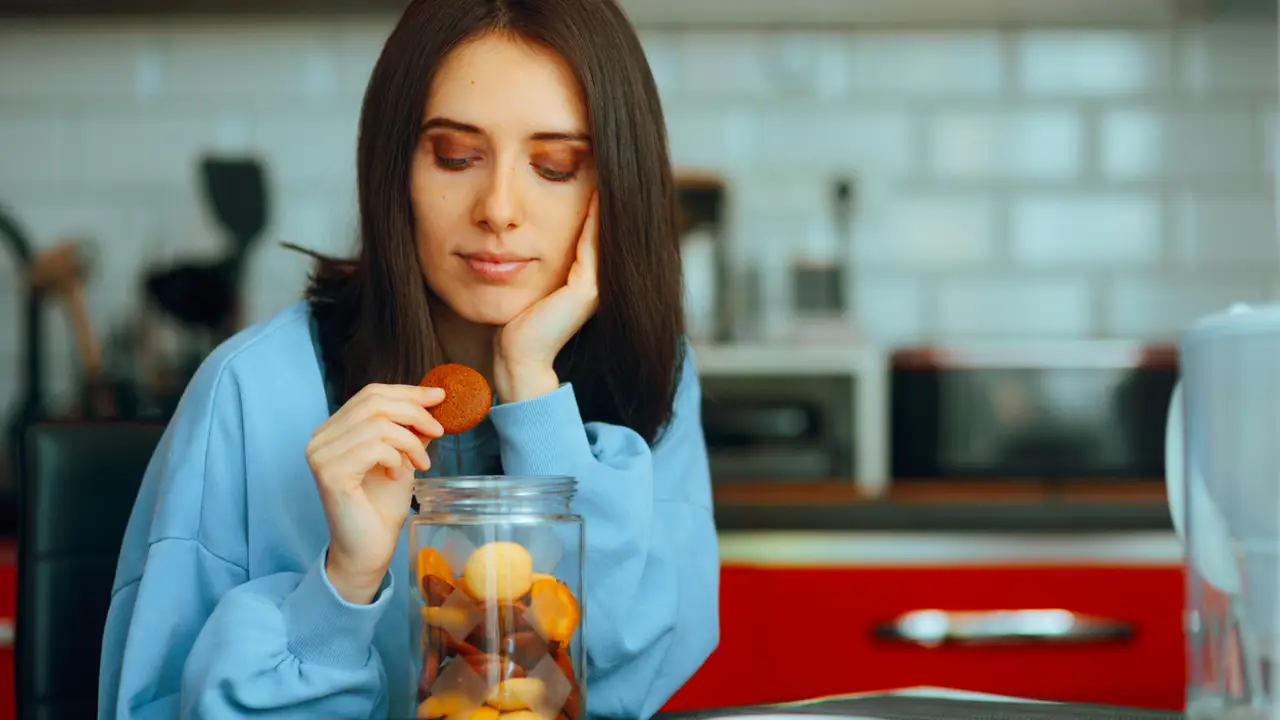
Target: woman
{"points": [[502, 143]]}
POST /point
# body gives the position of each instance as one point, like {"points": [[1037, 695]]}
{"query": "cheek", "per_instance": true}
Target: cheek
{"points": [[563, 224], [436, 211]]}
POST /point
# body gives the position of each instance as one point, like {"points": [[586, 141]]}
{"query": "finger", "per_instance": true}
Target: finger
{"points": [[385, 431], [590, 237], [424, 396], [413, 447], [388, 458], [357, 462], [403, 411], [421, 396], [375, 431], [343, 413], [588, 248]]}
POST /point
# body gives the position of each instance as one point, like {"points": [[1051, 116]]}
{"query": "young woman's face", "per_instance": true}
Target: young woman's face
{"points": [[501, 178]]}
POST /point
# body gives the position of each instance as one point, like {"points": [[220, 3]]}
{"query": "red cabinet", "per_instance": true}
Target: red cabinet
{"points": [[791, 633]]}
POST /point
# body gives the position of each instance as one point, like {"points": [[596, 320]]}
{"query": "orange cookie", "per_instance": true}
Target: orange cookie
{"points": [[466, 396]]}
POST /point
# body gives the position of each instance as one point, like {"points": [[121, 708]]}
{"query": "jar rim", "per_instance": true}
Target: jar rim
{"points": [[505, 484]]}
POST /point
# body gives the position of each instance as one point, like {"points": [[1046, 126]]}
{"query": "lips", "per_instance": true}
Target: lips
{"points": [[495, 267]]}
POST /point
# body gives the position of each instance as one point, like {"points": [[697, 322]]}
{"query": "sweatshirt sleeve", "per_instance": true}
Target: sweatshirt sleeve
{"points": [[651, 562], [189, 633]]}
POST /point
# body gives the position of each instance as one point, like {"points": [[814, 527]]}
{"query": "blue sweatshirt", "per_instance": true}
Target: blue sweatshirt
{"points": [[221, 607]]}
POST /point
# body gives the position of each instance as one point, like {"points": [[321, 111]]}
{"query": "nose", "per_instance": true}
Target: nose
{"points": [[498, 209]]}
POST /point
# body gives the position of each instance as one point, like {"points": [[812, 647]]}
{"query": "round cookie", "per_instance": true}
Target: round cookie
{"points": [[499, 571], [466, 396]]}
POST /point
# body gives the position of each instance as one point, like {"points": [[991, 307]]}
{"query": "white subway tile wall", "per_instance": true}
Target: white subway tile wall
{"points": [[1096, 64], [1008, 183], [1175, 142], [1059, 230], [985, 144], [992, 305]]}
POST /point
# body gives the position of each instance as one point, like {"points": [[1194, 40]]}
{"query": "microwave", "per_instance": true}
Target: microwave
{"points": [[1090, 410], [778, 428]]}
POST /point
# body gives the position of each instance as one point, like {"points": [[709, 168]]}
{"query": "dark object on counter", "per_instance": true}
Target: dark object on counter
{"points": [[906, 707], [75, 503]]}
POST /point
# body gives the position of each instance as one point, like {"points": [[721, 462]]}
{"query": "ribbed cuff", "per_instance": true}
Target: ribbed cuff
{"points": [[326, 630], [543, 435]]}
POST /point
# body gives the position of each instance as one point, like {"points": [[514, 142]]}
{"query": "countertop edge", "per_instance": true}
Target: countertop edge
{"points": [[931, 549]]}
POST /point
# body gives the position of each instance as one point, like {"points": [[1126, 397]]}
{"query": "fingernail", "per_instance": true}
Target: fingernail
{"points": [[435, 393]]}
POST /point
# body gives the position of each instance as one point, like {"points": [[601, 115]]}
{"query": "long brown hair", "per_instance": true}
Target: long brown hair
{"points": [[374, 311]]}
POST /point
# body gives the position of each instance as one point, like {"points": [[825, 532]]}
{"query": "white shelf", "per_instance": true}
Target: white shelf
{"points": [[795, 360]]}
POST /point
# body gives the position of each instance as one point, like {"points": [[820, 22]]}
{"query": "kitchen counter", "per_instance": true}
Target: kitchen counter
{"points": [[955, 506]]}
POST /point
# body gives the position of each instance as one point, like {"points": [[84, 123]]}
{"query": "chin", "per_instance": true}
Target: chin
{"points": [[490, 306]]}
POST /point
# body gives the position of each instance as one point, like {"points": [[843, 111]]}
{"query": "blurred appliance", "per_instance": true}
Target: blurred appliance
{"points": [[701, 201], [822, 274], [761, 428], [1223, 483], [1051, 411]]}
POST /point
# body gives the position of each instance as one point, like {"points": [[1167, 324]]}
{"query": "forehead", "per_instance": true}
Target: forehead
{"points": [[503, 83]]}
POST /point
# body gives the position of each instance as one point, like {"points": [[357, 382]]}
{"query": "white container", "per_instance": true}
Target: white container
{"points": [[1223, 476], [698, 256]]}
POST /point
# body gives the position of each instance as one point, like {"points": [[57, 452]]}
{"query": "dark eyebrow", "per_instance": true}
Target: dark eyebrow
{"points": [[447, 124], [563, 136]]}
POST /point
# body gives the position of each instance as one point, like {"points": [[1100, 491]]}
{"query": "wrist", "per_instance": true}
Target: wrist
{"points": [[353, 586], [523, 381]]}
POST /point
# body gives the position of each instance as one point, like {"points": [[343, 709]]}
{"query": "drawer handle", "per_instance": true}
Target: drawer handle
{"points": [[6, 633], [931, 628]]}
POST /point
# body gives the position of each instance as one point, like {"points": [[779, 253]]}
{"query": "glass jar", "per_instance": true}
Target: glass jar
{"points": [[497, 610]]}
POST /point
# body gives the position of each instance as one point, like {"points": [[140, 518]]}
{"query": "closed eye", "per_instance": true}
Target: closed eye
{"points": [[554, 175], [451, 163]]}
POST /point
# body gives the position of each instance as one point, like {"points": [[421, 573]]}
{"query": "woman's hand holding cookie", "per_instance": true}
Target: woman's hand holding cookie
{"points": [[363, 460], [526, 348]]}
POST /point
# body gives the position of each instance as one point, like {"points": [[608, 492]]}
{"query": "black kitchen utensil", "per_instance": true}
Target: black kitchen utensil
{"points": [[206, 295], [237, 194]]}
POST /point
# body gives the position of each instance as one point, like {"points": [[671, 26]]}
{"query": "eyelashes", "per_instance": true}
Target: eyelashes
{"points": [[458, 164], [448, 163], [555, 175]]}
